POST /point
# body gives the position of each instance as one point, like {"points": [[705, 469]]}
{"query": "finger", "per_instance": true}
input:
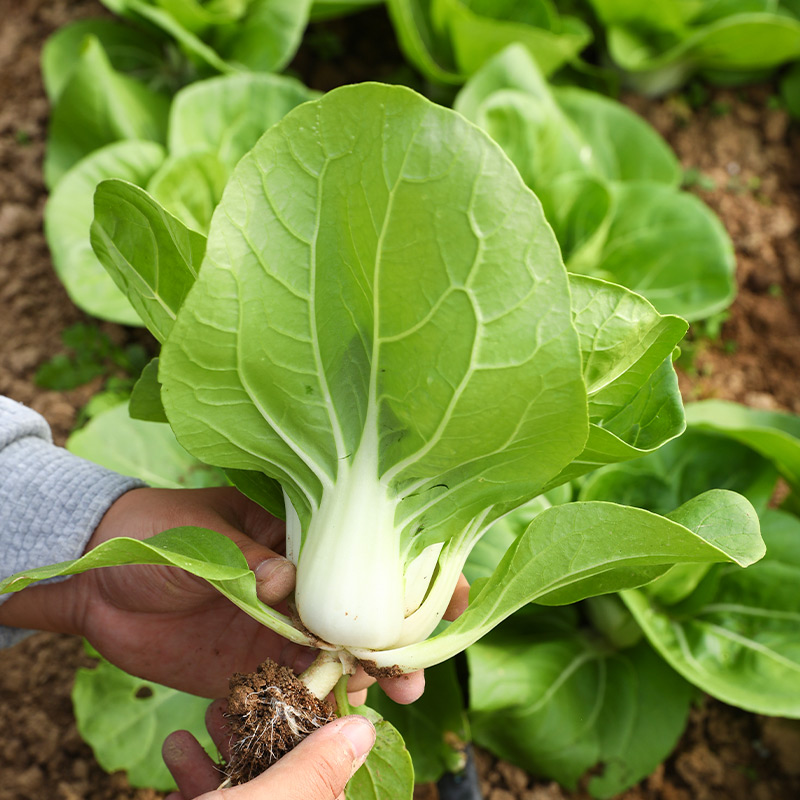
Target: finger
{"points": [[404, 689], [275, 575], [359, 680], [459, 600], [318, 767], [191, 767], [218, 728], [357, 698]]}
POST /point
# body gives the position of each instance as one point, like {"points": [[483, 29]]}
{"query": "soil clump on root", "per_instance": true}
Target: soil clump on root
{"points": [[270, 711]]}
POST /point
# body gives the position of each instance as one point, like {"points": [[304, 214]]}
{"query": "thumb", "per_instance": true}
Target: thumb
{"points": [[319, 767]]}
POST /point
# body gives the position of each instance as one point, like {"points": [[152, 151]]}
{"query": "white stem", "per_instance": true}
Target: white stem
{"points": [[324, 673]]}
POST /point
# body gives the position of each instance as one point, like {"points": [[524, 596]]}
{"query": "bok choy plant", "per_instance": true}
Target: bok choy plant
{"points": [[382, 345]]}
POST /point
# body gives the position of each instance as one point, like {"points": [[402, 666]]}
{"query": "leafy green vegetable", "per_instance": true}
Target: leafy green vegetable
{"points": [[382, 323], [609, 186], [736, 635], [212, 124], [168, 253], [68, 217], [125, 720], [773, 434], [661, 45], [558, 701], [448, 40], [258, 35], [129, 51], [98, 106]]}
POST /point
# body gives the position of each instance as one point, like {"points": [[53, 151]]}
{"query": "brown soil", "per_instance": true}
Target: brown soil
{"points": [[746, 154], [743, 145], [269, 713]]}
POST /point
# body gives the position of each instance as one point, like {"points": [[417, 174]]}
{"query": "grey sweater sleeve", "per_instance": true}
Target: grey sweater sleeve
{"points": [[50, 500]]}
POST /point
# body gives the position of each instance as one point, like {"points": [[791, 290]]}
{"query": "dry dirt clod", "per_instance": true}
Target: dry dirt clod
{"points": [[269, 713]]}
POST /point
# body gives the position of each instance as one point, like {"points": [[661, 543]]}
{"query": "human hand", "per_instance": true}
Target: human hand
{"points": [[166, 625], [317, 769]]}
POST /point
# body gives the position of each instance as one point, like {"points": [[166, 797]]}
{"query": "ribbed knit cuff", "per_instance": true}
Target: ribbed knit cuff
{"points": [[50, 500]]}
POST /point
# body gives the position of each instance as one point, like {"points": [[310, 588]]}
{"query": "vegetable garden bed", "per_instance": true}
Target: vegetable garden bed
{"points": [[740, 153]]}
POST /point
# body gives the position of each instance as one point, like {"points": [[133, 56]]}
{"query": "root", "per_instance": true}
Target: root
{"points": [[269, 712]]}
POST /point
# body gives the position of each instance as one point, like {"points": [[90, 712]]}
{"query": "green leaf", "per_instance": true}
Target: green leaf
{"points": [[358, 225], [634, 401], [263, 38], [126, 719], [671, 248], [609, 187], [740, 42], [260, 489], [624, 146], [190, 188], [388, 771], [479, 30], [549, 131], [225, 116], [558, 702], [144, 450], [434, 727], [145, 403], [151, 255], [98, 106], [129, 51], [576, 550], [736, 636], [204, 553], [68, 218], [267, 36], [692, 463], [447, 40], [773, 434]]}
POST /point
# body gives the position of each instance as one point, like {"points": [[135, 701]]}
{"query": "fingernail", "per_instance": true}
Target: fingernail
{"points": [[275, 578], [361, 734]]}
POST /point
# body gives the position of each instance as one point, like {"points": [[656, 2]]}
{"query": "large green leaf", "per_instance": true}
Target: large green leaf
{"points": [[773, 434], [737, 636], [576, 550], [144, 450], [98, 106], [126, 719], [68, 218], [436, 365], [150, 254], [558, 701], [202, 552]]}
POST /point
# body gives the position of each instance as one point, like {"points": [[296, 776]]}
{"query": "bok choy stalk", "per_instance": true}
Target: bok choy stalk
{"points": [[383, 345]]}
